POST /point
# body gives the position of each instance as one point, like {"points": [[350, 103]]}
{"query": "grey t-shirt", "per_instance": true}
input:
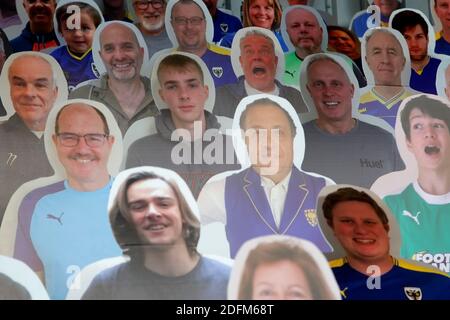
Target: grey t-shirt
{"points": [[207, 281], [357, 157]]}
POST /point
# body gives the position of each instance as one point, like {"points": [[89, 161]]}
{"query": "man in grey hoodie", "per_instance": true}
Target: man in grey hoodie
{"points": [[188, 138]]}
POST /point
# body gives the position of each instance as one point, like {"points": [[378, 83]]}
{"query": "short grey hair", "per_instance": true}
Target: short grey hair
{"points": [[259, 34], [28, 55]]}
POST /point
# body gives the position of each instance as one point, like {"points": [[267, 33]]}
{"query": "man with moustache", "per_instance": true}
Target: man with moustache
{"points": [[68, 224], [150, 21], [39, 32], [122, 89], [386, 59]]}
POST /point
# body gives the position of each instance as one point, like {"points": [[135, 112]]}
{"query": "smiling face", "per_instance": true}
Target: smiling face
{"points": [[258, 62], [191, 36], [261, 14], [79, 40], [360, 232], [330, 90], [417, 42], [304, 31], [185, 94], [155, 213], [385, 59], [151, 18], [83, 164], [429, 141], [40, 13], [121, 53], [33, 91], [281, 280], [342, 42]]}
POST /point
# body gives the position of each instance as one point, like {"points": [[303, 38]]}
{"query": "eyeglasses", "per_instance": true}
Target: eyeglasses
{"points": [[93, 140], [182, 21], [143, 4]]}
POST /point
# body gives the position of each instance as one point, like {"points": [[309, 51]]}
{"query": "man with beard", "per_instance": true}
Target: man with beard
{"points": [[122, 89], [414, 29], [150, 21], [39, 32], [224, 23]]}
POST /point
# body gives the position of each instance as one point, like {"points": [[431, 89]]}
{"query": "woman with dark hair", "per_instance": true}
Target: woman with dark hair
{"points": [[260, 13], [154, 219]]}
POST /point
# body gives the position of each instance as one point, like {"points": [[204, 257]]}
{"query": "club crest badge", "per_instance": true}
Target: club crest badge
{"points": [[217, 71], [224, 27], [311, 217], [95, 70], [413, 293]]}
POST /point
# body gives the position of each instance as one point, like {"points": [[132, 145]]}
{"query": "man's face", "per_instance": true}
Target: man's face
{"points": [[40, 11], [442, 8], [429, 141], [258, 62], [83, 163], [261, 14], [417, 43], [33, 91], [152, 16], [155, 213], [190, 35], [304, 31], [341, 42], [184, 93], [360, 231], [120, 52], [330, 90], [385, 59], [386, 6], [269, 139]]}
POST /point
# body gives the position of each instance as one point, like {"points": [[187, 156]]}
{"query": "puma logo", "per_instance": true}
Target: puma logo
{"points": [[53, 217], [11, 158], [343, 292], [410, 215], [289, 73]]}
